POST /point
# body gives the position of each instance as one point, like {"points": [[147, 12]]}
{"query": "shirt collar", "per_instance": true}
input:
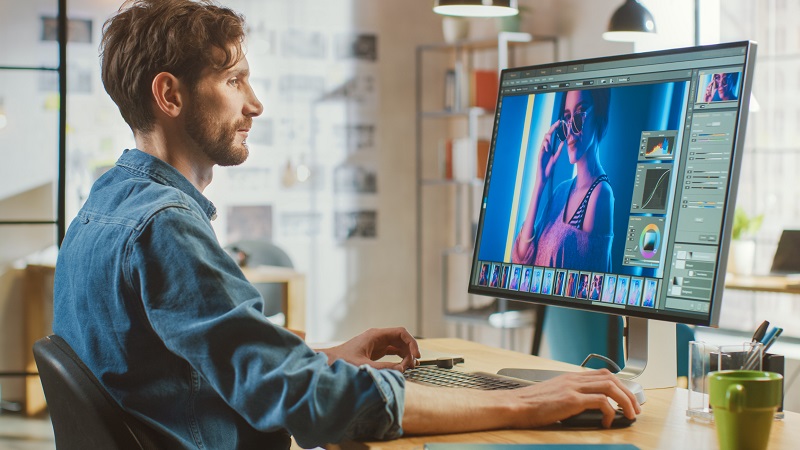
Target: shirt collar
{"points": [[163, 173]]}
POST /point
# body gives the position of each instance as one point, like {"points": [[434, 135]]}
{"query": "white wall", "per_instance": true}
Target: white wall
{"points": [[28, 144]]}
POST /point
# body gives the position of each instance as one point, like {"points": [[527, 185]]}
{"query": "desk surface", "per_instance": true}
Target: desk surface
{"points": [[662, 424], [764, 283]]}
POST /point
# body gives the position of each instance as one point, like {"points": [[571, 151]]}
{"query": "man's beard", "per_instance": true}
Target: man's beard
{"points": [[216, 140]]}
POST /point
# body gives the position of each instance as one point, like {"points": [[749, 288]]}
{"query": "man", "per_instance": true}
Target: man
{"points": [[164, 317]]}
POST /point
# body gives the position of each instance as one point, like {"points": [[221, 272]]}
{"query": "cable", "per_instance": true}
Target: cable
{"points": [[606, 360]]}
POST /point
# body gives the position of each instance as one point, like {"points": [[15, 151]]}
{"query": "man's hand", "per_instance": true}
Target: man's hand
{"points": [[434, 410], [570, 394], [374, 344]]}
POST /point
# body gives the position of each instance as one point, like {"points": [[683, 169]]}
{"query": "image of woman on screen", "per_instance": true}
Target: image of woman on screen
{"points": [[722, 87], [575, 228]]}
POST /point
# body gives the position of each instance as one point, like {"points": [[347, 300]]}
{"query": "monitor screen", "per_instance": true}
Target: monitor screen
{"points": [[611, 182]]}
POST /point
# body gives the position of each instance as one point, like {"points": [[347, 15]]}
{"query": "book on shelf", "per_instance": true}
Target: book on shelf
{"points": [[463, 159], [483, 89]]}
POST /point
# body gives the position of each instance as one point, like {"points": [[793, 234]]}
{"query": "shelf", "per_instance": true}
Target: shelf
{"points": [[445, 114], [510, 38], [457, 250], [462, 205], [443, 182]]}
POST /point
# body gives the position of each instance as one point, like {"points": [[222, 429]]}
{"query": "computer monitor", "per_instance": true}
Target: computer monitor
{"points": [[614, 181]]}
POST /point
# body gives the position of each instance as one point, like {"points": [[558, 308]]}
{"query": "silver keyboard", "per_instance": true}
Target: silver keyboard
{"points": [[435, 376]]}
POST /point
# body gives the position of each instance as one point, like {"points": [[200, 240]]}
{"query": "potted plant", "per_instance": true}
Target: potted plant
{"points": [[743, 246]]}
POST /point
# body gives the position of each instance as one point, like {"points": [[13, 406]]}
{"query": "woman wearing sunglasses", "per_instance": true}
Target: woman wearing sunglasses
{"points": [[575, 230], [722, 87]]}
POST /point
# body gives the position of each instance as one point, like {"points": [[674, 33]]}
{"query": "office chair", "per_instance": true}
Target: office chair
{"points": [[254, 252], [572, 335], [575, 334], [83, 414]]}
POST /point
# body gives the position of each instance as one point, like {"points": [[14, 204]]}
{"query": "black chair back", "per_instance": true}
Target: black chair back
{"points": [[83, 414]]}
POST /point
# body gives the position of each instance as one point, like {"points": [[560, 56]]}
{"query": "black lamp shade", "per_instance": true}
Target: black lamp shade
{"points": [[632, 17], [476, 8]]}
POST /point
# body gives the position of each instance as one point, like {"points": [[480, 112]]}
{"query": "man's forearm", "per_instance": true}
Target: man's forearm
{"points": [[430, 410]]}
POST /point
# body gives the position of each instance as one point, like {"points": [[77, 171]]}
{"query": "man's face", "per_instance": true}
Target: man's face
{"points": [[220, 113]]}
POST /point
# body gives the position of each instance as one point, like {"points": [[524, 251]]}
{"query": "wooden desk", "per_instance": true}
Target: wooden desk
{"points": [[294, 302], [763, 283], [662, 424]]}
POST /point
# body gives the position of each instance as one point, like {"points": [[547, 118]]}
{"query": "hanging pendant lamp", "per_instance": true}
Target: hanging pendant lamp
{"points": [[630, 22], [476, 8]]}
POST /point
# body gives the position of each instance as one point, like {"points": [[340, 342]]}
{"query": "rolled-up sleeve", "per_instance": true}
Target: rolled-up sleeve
{"points": [[390, 384], [206, 312]]}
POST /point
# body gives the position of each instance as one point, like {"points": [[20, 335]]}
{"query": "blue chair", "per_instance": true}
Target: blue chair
{"points": [[683, 335], [572, 335]]}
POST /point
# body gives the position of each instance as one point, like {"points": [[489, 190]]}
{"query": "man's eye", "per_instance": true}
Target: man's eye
{"points": [[233, 82]]}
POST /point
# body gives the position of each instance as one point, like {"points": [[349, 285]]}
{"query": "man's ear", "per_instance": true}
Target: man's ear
{"points": [[167, 93]]}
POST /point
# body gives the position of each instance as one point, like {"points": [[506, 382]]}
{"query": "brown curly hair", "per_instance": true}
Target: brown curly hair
{"points": [[147, 37]]}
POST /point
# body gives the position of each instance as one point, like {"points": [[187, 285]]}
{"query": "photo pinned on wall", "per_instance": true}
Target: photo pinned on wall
{"points": [[355, 138], [561, 279], [635, 295], [261, 41], [244, 180], [262, 87], [547, 281], [79, 80], [583, 285], [356, 178], [516, 273], [609, 289], [262, 132], [293, 133], [359, 88], [300, 224], [249, 222], [649, 297], [596, 287], [536, 284], [303, 44], [302, 88], [78, 30], [623, 285], [357, 46], [356, 225], [525, 282]]}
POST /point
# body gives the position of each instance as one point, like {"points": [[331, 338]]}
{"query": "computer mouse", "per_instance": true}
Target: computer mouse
{"points": [[593, 418]]}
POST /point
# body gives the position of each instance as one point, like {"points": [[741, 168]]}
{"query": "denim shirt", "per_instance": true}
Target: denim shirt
{"points": [[168, 323]]}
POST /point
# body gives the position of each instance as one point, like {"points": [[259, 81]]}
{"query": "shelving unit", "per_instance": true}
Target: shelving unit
{"points": [[456, 199]]}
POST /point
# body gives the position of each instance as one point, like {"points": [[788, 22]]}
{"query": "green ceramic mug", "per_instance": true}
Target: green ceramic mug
{"points": [[744, 403]]}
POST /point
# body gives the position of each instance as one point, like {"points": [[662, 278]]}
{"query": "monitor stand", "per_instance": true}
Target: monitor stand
{"points": [[650, 363]]}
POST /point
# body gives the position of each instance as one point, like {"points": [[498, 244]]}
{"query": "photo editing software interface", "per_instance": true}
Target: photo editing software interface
{"points": [[609, 181]]}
